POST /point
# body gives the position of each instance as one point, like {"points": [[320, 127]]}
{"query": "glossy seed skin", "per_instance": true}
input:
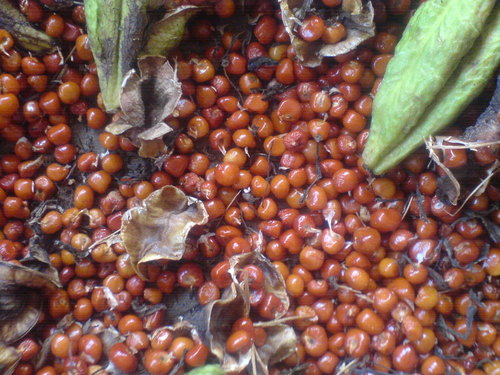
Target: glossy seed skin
{"points": [[420, 68]]}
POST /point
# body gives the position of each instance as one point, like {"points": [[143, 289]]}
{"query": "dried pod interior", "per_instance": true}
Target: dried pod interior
{"points": [[147, 98], [158, 228]]}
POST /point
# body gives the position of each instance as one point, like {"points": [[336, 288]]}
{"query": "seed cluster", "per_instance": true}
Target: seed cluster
{"points": [[380, 272]]}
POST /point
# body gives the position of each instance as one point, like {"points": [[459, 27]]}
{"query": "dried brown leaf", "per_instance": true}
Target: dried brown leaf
{"points": [[146, 99], [357, 16], [157, 230]]}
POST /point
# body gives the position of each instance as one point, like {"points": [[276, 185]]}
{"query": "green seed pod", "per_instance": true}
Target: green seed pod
{"points": [[466, 83], [115, 29], [437, 37], [207, 370]]}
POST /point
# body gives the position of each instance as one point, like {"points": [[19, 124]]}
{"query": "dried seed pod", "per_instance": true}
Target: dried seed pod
{"points": [[273, 283], [357, 17], [281, 338], [146, 99], [220, 324], [9, 358], [157, 230], [20, 299], [12, 20]]}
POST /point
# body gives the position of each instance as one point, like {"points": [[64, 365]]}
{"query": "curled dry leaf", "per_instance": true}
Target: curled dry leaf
{"points": [[165, 34], [158, 228], [356, 15], [146, 99], [9, 358], [281, 338], [20, 299]]}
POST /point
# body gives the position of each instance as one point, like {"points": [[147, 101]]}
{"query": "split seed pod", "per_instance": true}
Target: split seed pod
{"points": [[356, 15], [281, 338], [157, 230], [20, 299], [147, 97]]}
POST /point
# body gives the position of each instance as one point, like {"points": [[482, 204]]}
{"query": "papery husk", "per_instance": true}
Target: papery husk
{"points": [[45, 351], [158, 228], [357, 17], [38, 260], [274, 282], [234, 304], [147, 97], [9, 358], [280, 344], [221, 315], [21, 299]]}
